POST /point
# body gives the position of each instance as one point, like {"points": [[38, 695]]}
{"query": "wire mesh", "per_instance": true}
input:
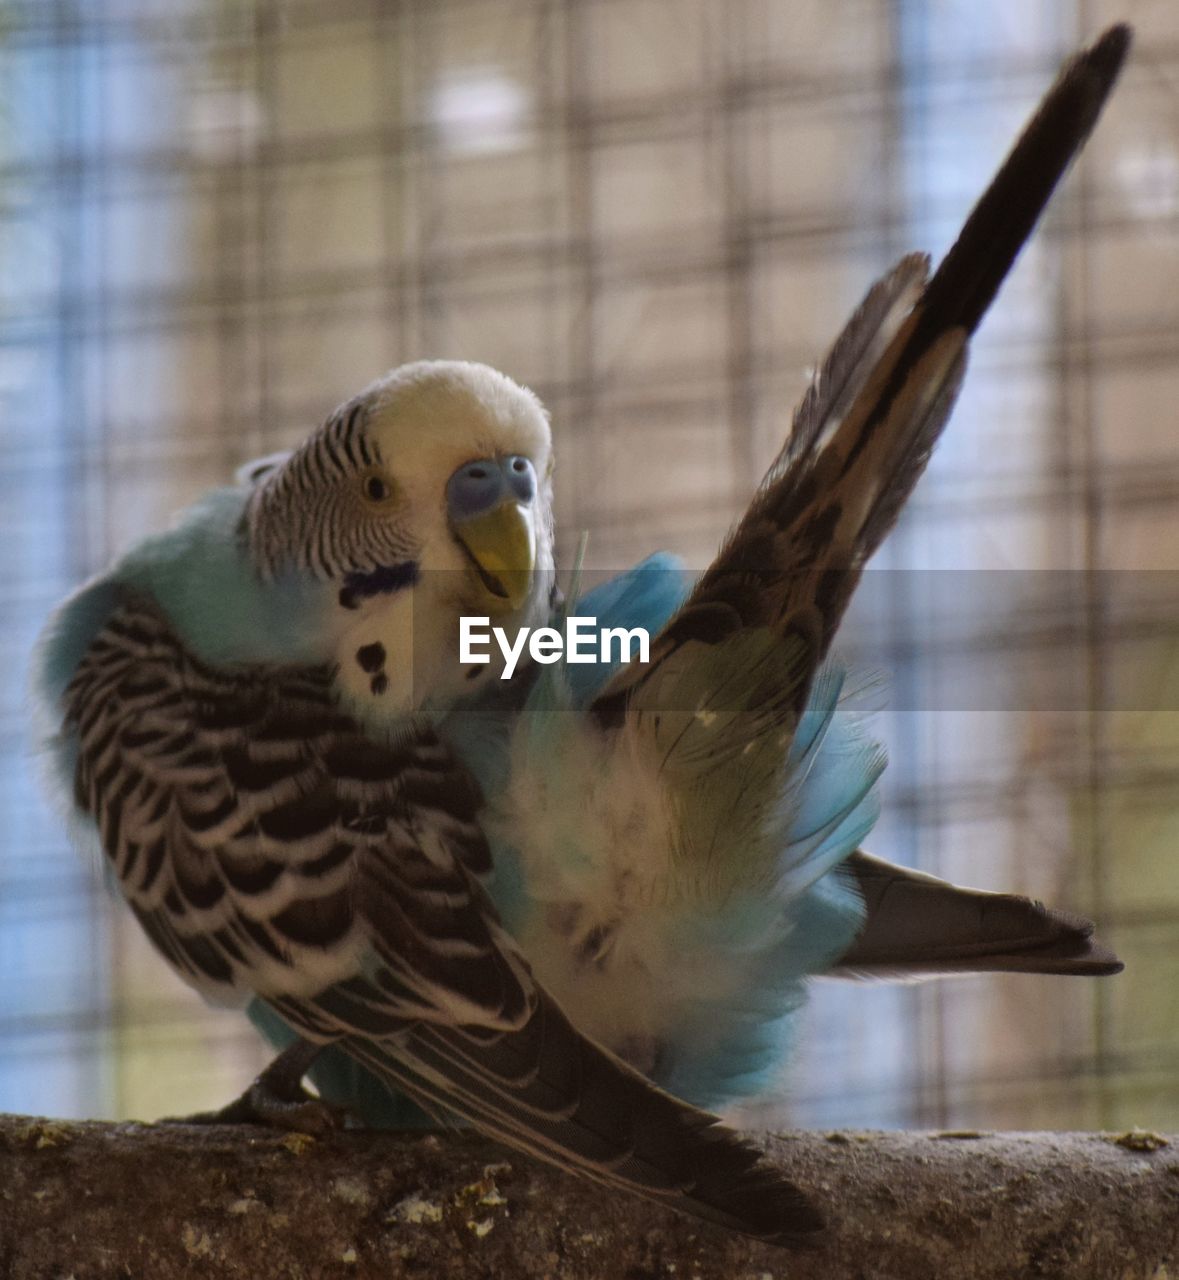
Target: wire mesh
{"points": [[219, 218]]}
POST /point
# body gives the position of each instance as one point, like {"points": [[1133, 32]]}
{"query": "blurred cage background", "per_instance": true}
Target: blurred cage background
{"points": [[219, 218]]}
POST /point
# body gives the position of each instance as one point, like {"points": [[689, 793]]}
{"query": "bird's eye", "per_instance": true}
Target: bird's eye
{"points": [[376, 487]]}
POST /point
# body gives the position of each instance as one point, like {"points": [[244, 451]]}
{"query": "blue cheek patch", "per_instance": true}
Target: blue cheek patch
{"points": [[384, 580]]}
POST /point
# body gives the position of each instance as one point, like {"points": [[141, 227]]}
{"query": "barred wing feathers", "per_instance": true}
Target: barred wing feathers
{"points": [[268, 847], [241, 811]]}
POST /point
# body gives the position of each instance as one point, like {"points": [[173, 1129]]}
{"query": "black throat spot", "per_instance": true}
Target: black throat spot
{"points": [[371, 657], [384, 580]]}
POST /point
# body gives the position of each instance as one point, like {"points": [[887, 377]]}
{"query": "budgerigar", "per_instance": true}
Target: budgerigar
{"points": [[522, 901]]}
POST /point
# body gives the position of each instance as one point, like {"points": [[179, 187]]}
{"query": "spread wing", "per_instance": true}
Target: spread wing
{"points": [[268, 847], [864, 432]]}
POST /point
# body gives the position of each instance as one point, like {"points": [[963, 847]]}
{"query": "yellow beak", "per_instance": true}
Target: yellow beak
{"points": [[502, 543]]}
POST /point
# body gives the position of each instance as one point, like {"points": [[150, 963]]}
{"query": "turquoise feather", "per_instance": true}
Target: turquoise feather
{"points": [[719, 1052], [200, 573]]}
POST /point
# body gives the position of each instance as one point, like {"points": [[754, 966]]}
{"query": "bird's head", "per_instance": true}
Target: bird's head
{"points": [[425, 498]]}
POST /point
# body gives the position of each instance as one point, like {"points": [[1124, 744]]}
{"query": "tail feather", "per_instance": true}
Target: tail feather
{"points": [[919, 926], [549, 1091]]}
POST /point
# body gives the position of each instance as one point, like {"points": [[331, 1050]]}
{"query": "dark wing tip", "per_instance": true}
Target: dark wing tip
{"points": [[781, 1215], [747, 1192], [799, 1221], [1083, 85], [1100, 962], [919, 925], [726, 1178], [766, 1206], [970, 275], [1107, 53], [1074, 945]]}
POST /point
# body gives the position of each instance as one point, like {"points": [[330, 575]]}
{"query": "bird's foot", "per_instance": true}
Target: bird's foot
{"points": [[258, 1105], [278, 1099]]}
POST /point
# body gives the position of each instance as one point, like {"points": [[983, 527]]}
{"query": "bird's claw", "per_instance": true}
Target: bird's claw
{"points": [[278, 1100], [262, 1106]]}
